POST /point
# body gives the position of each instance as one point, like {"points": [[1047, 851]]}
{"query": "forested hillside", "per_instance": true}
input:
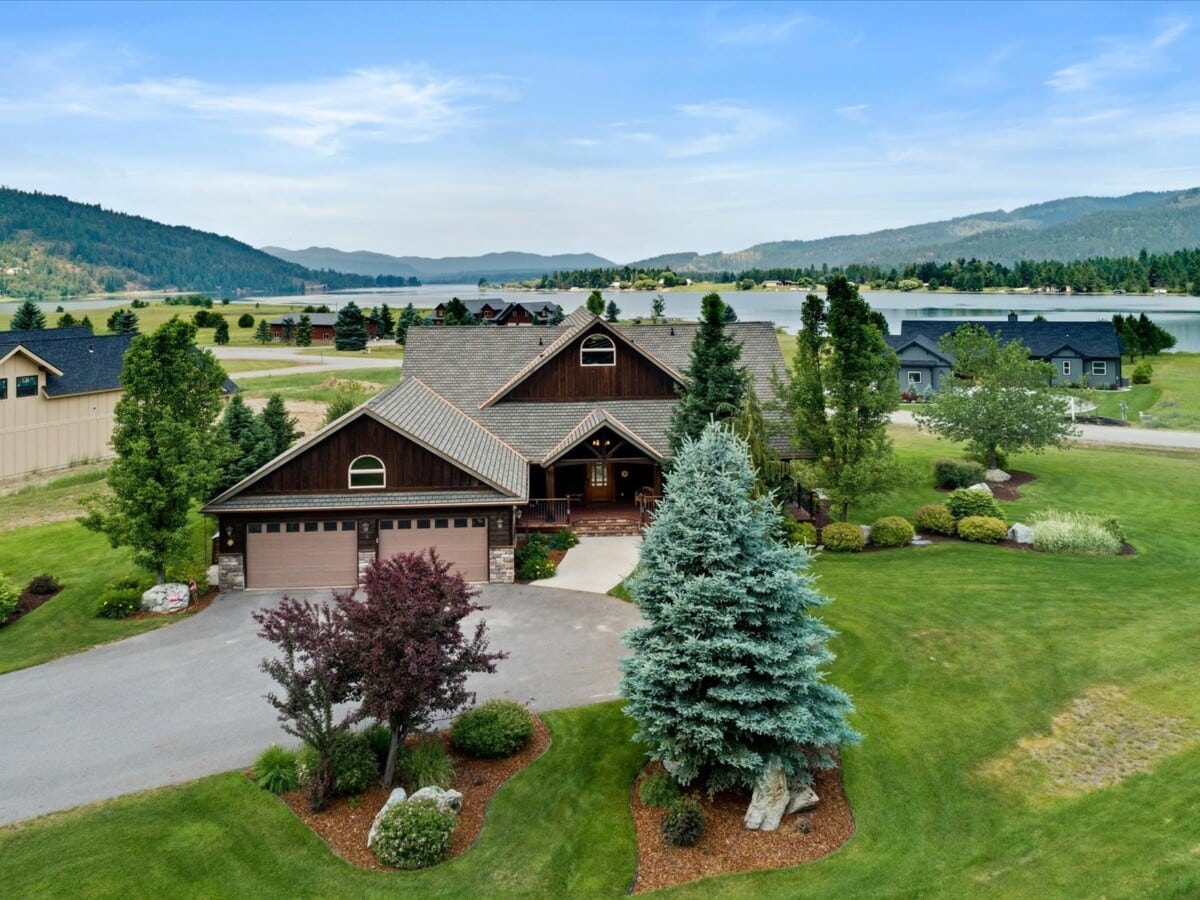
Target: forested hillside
{"points": [[53, 247]]}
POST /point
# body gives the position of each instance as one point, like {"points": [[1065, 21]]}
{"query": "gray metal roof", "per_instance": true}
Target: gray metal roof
{"points": [[88, 363], [357, 500], [1089, 339]]}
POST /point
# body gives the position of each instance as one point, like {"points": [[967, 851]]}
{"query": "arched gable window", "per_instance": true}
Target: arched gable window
{"points": [[367, 472], [598, 350]]}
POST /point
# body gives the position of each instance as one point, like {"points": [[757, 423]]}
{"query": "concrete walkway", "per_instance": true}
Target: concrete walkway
{"points": [[1109, 435], [187, 700], [596, 565]]}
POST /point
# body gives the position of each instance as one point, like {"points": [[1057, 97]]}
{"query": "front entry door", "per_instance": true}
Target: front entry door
{"points": [[599, 485]]}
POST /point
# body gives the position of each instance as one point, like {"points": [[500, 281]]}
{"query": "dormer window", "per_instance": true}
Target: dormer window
{"points": [[367, 472], [598, 350]]}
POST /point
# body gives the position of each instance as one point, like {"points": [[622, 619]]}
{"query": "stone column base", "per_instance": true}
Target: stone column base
{"points": [[365, 558], [231, 571], [502, 567]]}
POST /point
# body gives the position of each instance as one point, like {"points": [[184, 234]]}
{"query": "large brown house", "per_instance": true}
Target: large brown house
{"points": [[283, 328], [488, 424], [58, 388]]}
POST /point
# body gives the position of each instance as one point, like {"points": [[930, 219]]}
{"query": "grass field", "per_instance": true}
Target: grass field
{"points": [[1031, 723], [84, 563], [234, 366], [308, 385]]}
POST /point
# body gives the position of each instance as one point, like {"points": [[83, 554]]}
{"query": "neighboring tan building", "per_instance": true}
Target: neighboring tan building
{"points": [[58, 388], [488, 426]]}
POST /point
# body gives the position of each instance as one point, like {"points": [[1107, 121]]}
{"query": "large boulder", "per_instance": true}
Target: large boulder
{"points": [[982, 486], [802, 800], [166, 598], [398, 796], [1021, 534], [768, 802], [451, 800], [866, 532], [996, 475]]}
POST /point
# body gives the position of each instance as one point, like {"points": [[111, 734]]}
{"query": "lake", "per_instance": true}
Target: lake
{"points": [[1177, 314]]}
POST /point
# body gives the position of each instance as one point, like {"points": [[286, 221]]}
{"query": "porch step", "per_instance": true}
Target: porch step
{"points": [[602, 527]]}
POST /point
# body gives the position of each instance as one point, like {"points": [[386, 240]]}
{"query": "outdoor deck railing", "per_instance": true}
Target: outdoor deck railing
{"points": [[546, 511]]}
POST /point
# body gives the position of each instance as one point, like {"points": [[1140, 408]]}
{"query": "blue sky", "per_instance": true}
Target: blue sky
{"points": [[621, 129]]}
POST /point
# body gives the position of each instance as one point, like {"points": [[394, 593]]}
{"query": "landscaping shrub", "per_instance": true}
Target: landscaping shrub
{"points": [[659, 789], [956, 473], [118, 603], [934, 518], [493, 729], [1115, 528], [245, 320], [353, 763], [44, 585], [9, 597], [139, 583], [275, 770], [186, 573], [964, 502], [892, 531], [842, 537], [982, 529], [1075, 533], [427, 764], [414, 834], [803, 533], [684, 822], [379, 739], [1142, 372], [1001, 459], [563, 539], [533, 559]]}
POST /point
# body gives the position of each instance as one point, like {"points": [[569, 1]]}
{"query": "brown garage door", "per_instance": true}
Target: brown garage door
{"points": [[301, 554], [459, 540]]}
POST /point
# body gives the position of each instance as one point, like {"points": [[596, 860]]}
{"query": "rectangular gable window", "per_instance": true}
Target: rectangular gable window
{"points": [[27, 385], [1066, 367], [914, 377], [1099, 367]]}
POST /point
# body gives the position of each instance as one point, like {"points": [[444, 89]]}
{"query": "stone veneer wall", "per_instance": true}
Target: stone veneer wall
{"points": [[502, 567], [365, 558], [231, 571]]}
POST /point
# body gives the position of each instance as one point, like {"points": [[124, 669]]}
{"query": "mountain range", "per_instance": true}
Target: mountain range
{"points": [[508, 266]]}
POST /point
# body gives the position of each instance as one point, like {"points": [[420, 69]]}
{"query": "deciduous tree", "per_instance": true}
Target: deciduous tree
{"points": [[715, 380], [595, 303], [658, 308], [727, 680], [162, 436], [1000, 400], [410, 652]]}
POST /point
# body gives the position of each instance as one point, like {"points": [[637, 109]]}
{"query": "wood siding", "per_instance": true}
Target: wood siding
{"points": [[563, 379], [40, 434], [324, 468]]}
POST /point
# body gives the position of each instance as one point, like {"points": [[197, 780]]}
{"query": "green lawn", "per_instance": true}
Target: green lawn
{"points": [[39, 501], [310, 385], [84, 563], [955, 654], [1177, 375]]}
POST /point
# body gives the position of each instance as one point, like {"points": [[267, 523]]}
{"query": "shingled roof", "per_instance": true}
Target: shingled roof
{"points": [[87, 363], [1043, 339]]}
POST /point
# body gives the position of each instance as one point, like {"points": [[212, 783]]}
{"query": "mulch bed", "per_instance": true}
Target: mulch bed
{"points": [[27, 603], [1003, 490], [728, 846], [200, 603], [345, 822]]}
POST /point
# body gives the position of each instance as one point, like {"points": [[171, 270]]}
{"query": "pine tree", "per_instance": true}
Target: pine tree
{"points": [[350, 329], [409, 318], [248, 443], [726, 679], [28, 317], [612, 312], [86, 322], [556, 316], [715, 381], [66, 320], [304, 331], [262, 333], [456, 313], [221, 334], [123, 321], [279, 425], [387, 322]]}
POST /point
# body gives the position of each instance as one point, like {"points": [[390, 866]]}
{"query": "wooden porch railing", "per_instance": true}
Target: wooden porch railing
{"points": [[545, 511]]}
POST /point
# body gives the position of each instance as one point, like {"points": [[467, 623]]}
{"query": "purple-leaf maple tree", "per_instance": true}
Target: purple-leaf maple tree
{"points": [[410, 652], [316, 671]]}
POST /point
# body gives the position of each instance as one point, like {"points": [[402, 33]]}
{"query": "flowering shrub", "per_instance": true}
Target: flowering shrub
{"points": [[119, 603], [414, 835]]}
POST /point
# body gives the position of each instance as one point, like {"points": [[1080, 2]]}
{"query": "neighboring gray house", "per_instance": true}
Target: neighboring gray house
{"points": [[1081, 352]]}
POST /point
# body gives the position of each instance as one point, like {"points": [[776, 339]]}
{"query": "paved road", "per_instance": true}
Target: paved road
{"points": [[290, 358], [186, 700], [1111, 435]]}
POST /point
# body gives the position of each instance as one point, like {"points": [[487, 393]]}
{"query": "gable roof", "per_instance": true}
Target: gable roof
{"points": [[419, 414], [77, 361], [589, 425], [1089, 339], [899, 344], [574, 326]]}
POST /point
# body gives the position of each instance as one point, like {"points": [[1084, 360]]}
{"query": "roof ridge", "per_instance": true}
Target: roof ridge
{"points": [[473, 421]]}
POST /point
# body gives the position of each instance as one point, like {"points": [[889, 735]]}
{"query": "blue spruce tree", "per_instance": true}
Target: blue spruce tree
{"points": [[726, 679]]}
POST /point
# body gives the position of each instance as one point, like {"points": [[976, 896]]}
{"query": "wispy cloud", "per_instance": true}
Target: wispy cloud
{"points": [[760, 32], [700, 129], [394, 105], [855, 113], [1119, 57]]}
